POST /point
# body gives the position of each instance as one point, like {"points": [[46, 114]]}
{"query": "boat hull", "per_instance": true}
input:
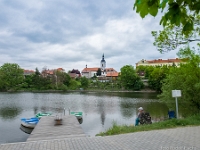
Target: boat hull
{"points": [[28, 125], [26, 130], [29, 122]]}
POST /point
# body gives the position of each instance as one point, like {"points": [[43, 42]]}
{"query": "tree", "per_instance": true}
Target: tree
{"points": [[74, 85], [37, 72], [185, 78], [36, 79], [146, 69], [179, 12], [28, 81], [99, 72], [156, 78], [171, 37], [11, 75], [130, 79], [67, 79], [84, 82]]}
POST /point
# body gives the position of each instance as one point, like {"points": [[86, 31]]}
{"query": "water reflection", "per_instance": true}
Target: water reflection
{"points": [[80, 120], [10, 112], [101, 109], [127, 108], [103, 117]]}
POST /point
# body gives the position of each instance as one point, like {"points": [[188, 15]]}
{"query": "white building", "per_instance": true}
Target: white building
{"points": [[159, 62], [90, 72]]}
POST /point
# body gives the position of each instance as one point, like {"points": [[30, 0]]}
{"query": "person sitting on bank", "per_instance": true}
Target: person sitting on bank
{"points": [[140, 112]]}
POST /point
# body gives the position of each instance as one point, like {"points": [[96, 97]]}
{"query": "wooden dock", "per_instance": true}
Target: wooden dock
{"points": [[47, 130]]}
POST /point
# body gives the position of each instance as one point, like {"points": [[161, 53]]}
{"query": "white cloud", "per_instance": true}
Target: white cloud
{"points": [[71, 34]]}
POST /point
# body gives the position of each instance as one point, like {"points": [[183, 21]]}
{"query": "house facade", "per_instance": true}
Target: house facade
{"points": [[159, 62], [75, 73], [112, 75], [89, 72]]}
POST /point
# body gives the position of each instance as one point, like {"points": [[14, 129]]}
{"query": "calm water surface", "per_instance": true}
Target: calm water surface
{"points": [[99, 110]]}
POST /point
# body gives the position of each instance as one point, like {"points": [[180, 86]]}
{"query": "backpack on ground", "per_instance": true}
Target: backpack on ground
{"points": [[145, 118]]}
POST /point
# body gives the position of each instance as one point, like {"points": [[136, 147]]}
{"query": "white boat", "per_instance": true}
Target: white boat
{"points": [[30, 122]]}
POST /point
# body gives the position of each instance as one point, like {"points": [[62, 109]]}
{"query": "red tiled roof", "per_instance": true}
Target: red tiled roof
{"points": [[89, 69], [164, 61], [60, 69], [112, 74], [30, 71], [110, 70], [50, 72]]}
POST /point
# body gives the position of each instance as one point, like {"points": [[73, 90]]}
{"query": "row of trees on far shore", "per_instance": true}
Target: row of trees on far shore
{"points": [[12, 78]]}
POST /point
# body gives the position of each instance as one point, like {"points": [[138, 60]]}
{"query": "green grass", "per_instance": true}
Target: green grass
{"points": [[171, 123]]}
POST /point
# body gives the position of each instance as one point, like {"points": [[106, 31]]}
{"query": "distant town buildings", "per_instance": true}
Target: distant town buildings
{"points": [[105, 72], [159, 62], [28, 72], [51, 72], [75, 73]]}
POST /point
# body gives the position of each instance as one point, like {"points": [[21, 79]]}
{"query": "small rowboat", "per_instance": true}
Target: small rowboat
{"points": [[26, 130], [29, 122], [77, 114], [39, 115]]}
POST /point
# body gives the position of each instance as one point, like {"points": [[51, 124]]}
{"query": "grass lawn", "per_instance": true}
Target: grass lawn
{"points": [[171, 123]]}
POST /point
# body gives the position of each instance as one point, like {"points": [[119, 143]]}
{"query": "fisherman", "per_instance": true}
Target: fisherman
{"points": [[137, 120]]}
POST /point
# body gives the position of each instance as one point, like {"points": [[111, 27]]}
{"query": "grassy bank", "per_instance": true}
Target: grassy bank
{"points": [[171, 123]]}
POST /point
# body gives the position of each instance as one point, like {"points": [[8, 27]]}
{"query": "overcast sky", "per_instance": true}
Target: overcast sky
{"points": [[73, 33]]}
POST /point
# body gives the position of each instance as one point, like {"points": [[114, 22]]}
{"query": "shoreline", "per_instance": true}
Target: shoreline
{"points": [[97, 91]]}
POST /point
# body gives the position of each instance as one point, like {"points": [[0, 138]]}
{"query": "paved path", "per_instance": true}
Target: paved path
{"points": [[187, 138]]}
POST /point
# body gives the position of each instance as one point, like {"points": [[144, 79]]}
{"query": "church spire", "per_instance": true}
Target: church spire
{"points": [[103, 56], [103, 63]]}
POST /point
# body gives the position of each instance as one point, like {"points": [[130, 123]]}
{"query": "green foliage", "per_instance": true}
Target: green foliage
{"points": [[62, 87], [130, 79], [147, 70], [181, 12], [84, 82], [37, 72], [99, 72], [74, 85], [11, 75], [185, 78], [39, 82], [171, 36], [171, 123], [28, 81], [94, 77], [62, 78], [67, 79], [156, 77]]}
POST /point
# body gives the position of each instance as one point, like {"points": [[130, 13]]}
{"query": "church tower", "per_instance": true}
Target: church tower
{"points": [[103, 64]]}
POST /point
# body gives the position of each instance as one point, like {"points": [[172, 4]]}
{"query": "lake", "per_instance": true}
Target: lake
{"points": [[100, 110]]}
